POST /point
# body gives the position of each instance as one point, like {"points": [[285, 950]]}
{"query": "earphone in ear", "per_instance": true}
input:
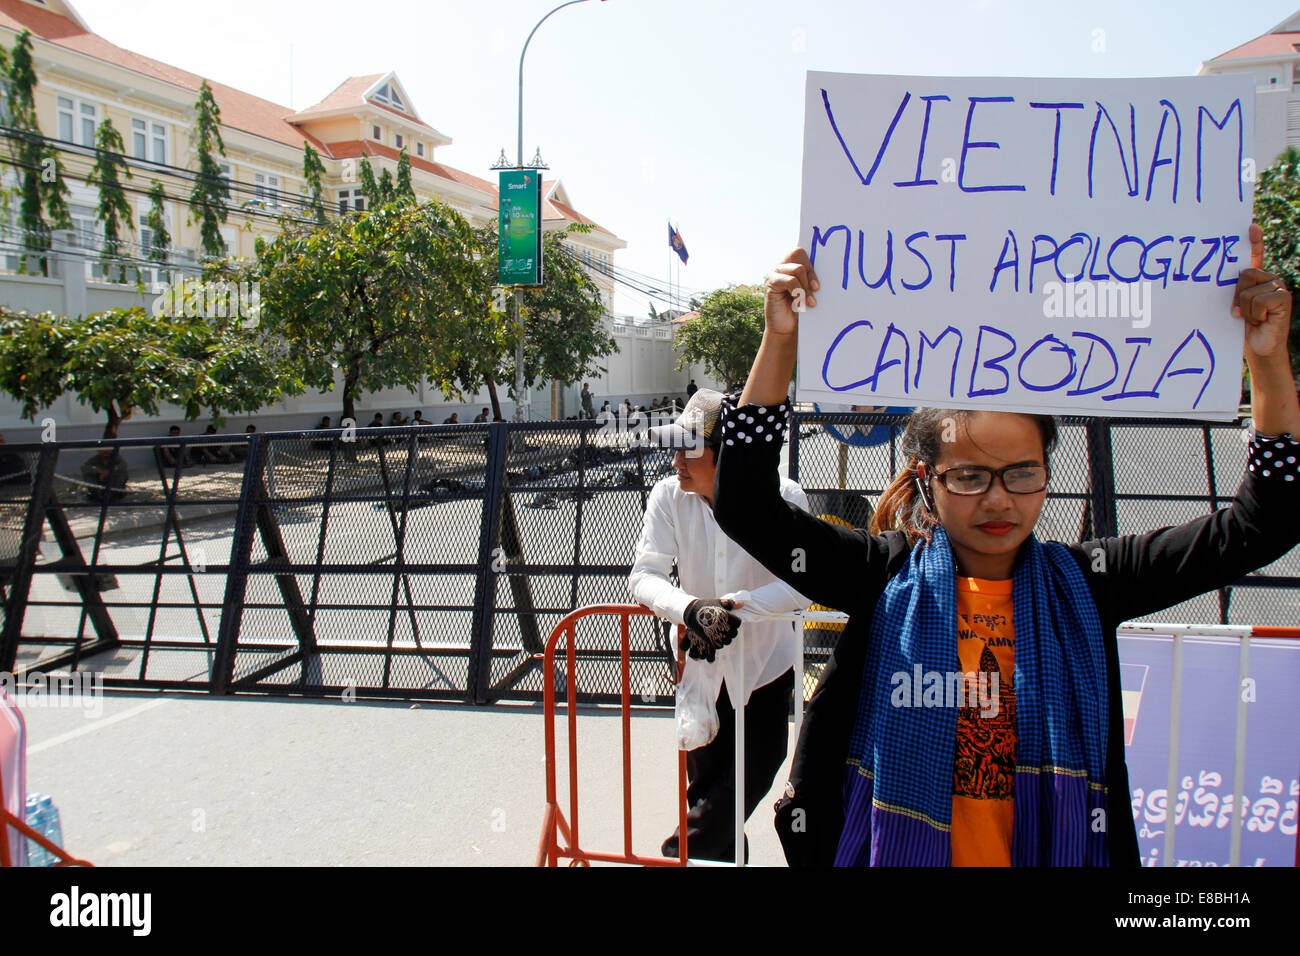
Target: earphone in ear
{"points": [[925, 494]]}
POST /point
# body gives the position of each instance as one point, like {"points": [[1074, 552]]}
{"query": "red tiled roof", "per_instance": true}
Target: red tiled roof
{"points": [[252, 114], [348, 93], [239, 110], [554, 209], [396, 112], [353, 148], [467, 179], [1270, 44]]}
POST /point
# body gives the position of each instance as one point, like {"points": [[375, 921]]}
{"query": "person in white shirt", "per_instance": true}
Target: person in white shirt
{"points": [[716, 578]]}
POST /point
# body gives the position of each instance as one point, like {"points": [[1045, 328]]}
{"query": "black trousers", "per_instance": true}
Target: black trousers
{"points": [[711, 770]]}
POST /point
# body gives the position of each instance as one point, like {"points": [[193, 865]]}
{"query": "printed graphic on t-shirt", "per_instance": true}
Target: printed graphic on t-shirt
{"points": [[985, 765]]}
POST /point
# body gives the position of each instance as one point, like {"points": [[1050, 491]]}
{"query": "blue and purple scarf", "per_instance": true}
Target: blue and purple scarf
{"points": [[899, 776]]}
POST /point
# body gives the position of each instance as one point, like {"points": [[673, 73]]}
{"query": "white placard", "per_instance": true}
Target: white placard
{"points": [[1067, 246]]}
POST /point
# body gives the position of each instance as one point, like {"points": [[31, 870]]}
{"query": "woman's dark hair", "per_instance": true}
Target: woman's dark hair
{"points": [[901, 507]]}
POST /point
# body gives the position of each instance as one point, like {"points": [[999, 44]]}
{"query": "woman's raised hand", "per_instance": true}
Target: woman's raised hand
{"points": [[1264, 302], [789, 290]]}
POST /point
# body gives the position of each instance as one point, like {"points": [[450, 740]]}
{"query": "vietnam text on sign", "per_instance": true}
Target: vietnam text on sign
{"points": [[1067, 246]]}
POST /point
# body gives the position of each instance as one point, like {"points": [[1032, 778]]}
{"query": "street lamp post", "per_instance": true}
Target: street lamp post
{"points": [[519, 162]]}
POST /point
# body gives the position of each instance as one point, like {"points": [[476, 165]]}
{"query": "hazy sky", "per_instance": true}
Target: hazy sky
{"points": [[657, 109]]}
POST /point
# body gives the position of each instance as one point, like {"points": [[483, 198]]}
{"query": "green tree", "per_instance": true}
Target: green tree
{"points": [[41, 185], [726, 334], [124, 360], [373, 295], [313, 173], [160, 241], [210, 193], [404, 190], [114, 210], [564, 329], [561, 320], [369, 187], [6, 119], [385, 187], [1277, 210]]}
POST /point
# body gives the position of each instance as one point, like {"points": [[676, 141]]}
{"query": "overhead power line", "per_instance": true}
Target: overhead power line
{"points": [[640, 283]]}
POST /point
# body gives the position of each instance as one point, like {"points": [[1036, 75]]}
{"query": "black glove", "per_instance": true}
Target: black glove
{"points": [[709, 627]]}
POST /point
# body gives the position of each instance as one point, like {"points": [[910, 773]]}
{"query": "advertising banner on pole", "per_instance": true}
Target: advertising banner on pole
{"points": [[1064, 246], [519, 248]]}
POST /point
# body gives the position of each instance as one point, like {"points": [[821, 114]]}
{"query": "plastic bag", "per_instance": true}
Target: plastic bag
{"points": [[696, 707]]}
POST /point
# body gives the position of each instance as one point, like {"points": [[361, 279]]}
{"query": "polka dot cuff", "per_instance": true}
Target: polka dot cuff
{"points": [[1277, 459], [747, 424]]}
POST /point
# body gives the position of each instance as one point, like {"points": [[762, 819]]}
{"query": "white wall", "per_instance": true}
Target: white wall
{"points": [[1273, 97], [641, 371]]}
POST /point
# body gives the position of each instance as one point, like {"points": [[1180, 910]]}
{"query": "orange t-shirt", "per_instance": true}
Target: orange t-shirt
{"points": [[985, 766]]}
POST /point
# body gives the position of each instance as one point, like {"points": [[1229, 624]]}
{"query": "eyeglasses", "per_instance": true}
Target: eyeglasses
{"points": [[976, 479]]}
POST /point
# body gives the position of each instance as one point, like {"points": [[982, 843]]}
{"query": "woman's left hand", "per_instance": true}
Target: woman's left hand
{"points": [[1264, 302]]}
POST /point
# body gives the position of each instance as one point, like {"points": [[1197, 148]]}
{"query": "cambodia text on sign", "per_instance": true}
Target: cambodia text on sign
{"points": [[1065, 246]]}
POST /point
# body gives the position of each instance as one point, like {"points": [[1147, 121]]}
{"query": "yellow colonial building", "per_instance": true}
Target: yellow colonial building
{"points": [[84, 79]]}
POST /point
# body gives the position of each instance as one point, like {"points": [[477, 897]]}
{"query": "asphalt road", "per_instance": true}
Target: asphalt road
{"points": [[171, 780]]}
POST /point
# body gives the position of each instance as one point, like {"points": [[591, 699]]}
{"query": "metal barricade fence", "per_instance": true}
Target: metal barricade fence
{"points": [[555, 825], [407, 562], [427, 562]]}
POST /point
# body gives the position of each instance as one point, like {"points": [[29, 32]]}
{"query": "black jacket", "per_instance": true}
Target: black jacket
{"points": [[847, 569]]}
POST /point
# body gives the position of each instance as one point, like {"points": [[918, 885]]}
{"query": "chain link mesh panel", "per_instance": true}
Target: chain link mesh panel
{"points": [[410, 562], [574, 499], [129, 578]]}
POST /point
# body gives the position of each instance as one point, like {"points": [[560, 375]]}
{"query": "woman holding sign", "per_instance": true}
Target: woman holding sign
{"points": [[970, 714]]}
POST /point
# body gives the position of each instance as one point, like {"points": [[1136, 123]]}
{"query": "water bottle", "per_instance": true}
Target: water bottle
{"points": [[52, 829], [43, 817], [37, 855]]}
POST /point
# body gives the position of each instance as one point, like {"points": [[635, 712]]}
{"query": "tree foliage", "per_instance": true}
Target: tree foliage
{"points": [[41, 185], [124, 360], [564, 331], [313, 174], [374, 295], [561, 322], [114, 210], [210, 193], [404, 190], [160, 241], [1277, 210], [5, 120], [726, 334], [369, 186]]}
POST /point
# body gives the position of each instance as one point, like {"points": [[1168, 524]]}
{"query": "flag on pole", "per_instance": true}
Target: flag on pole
{"points": [[675, 241]]}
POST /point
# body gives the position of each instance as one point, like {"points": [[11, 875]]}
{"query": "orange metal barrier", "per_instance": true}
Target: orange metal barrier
{"points": [[555, 825], [8, 820]]}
